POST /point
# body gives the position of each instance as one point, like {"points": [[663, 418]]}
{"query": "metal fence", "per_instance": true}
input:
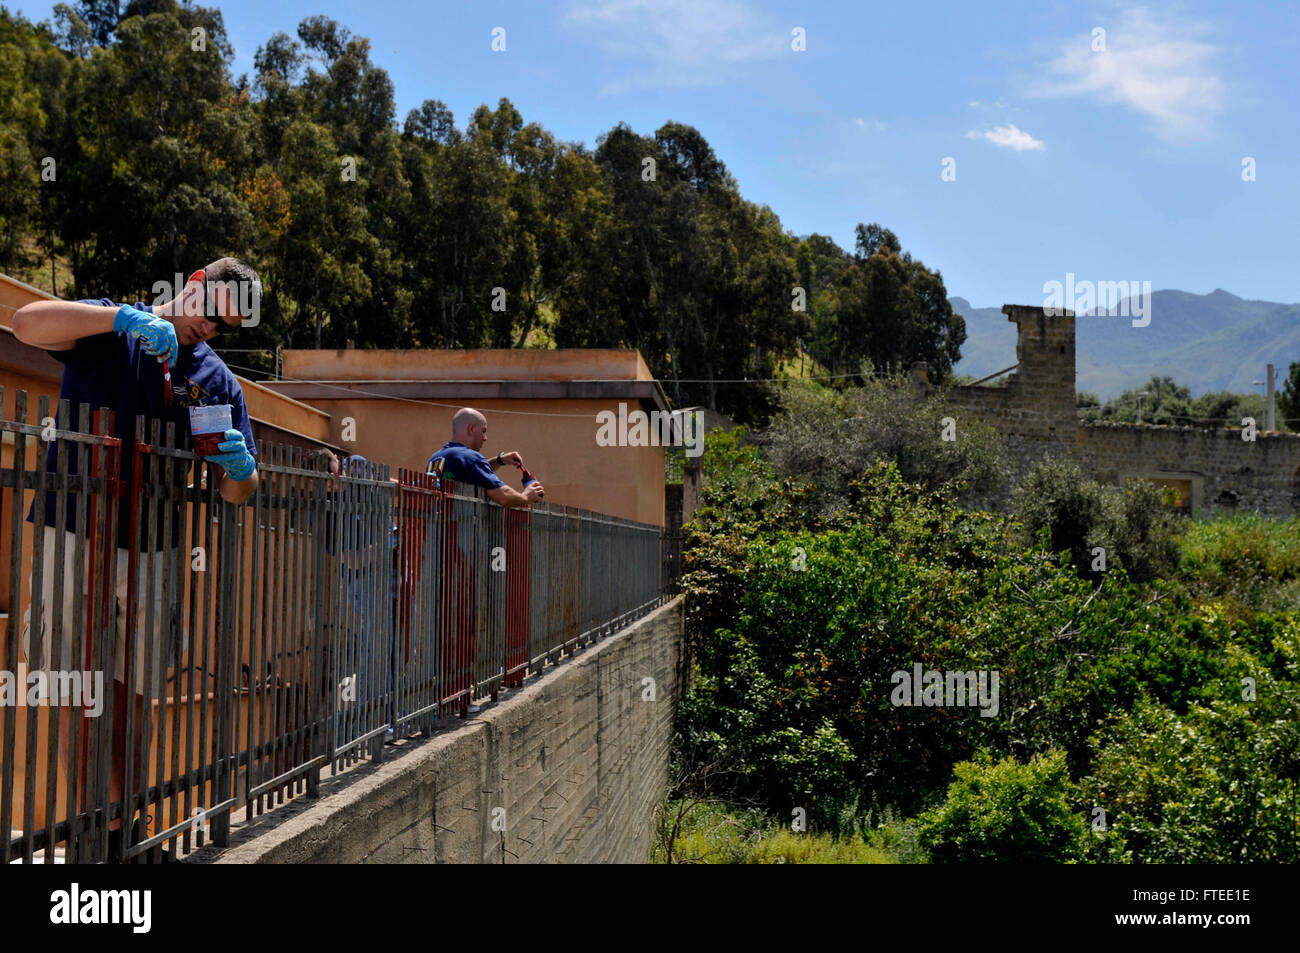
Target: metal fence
{"points": [[242, 650]]}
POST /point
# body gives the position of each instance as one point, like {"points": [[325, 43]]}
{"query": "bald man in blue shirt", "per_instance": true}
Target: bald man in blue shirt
{"points": [[461, 461]]}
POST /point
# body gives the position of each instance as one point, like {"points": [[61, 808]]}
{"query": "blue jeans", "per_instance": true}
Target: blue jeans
{"points": [[361, 599]]}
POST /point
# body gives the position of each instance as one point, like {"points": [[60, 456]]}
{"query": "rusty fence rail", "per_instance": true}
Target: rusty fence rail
{"points": [[169, 657]]}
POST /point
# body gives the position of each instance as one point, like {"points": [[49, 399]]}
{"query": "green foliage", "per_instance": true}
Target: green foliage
{"points": [[733, 466], [26, 52], [881, 307], [1244, 563], [495, 236], [1214, 785], [1007, 813], [828, 438], [707, 833], [1288, 398], [797, 620], [691, 274], [1225, 409], [1068, 511], [1168, 404], [795, 663]]}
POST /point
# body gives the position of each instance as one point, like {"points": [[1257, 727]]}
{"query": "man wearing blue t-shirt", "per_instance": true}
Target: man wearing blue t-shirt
{"points": [[115, 355], [461, 461]]}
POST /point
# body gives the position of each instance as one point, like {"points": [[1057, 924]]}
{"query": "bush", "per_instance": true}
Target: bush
{"points": [[797, 621], [1007, 813], [1068, 512], [829, 438], [1216, 785], [796, 636]]}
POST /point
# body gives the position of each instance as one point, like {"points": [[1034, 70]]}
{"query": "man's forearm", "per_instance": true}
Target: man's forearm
{"points": [[58, 325], [237, 491], [508, 497]]}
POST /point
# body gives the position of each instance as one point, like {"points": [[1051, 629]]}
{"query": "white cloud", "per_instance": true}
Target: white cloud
{"points": [[875, 125], [1008, 137], [677, 42], [1155, 66]]}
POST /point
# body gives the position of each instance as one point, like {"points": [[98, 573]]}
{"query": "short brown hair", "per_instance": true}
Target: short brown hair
{"points": [[322, 458], [233, 270]]}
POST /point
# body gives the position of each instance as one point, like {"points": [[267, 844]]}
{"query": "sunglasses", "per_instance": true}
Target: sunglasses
{"points": [[211, 312]]}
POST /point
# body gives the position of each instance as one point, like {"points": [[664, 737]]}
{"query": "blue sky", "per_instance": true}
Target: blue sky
{"points": [[1115, 164]]}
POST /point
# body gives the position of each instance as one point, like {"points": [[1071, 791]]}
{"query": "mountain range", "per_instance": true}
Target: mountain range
{"points": [[1207, 343]]}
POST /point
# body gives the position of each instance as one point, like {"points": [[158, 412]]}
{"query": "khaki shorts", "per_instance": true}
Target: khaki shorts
{"points": [[73, 581]]}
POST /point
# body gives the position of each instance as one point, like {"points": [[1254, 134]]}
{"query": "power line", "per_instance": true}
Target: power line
{"points": [[874, 375], [357, 391]]}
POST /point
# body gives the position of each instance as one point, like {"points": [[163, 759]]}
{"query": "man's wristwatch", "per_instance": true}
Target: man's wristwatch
{"points": [[499, 463]]}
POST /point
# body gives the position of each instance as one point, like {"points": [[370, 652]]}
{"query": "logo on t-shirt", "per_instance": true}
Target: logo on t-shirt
{"points": [[188, 393]]}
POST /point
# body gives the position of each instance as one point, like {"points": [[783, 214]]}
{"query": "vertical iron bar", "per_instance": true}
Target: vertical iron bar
{"points": [[11, 640]]}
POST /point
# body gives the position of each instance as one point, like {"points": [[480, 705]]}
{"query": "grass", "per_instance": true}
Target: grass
{"points": [[714, 833], [1248, 562], [801, 365], [36, 270]]}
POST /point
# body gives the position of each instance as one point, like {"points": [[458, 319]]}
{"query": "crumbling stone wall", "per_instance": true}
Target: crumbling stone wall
{"points": [[1225, 472], [1035, 412]]}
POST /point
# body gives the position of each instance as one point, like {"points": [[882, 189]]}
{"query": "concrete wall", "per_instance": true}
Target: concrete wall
{"points": [[1037, 400], [576, 759]]}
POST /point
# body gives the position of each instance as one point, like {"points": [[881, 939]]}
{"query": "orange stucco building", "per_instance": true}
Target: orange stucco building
{"points": [[396, 407]]}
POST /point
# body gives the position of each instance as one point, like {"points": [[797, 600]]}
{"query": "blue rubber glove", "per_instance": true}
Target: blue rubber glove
{"points": [[157, 334], [234, 456]]}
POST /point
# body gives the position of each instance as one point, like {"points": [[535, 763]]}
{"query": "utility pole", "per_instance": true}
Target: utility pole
{"points": [[1270, 399], [1270, 402]]}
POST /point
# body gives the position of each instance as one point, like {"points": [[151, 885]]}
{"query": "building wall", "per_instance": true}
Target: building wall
{"points": [[1224, 471], [572, 766], [479, 364], [397, 407], [1037, 401], [556, 438]]}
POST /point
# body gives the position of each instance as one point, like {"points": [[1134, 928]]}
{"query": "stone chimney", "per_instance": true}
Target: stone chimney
{"points": [[1045, 378]]}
